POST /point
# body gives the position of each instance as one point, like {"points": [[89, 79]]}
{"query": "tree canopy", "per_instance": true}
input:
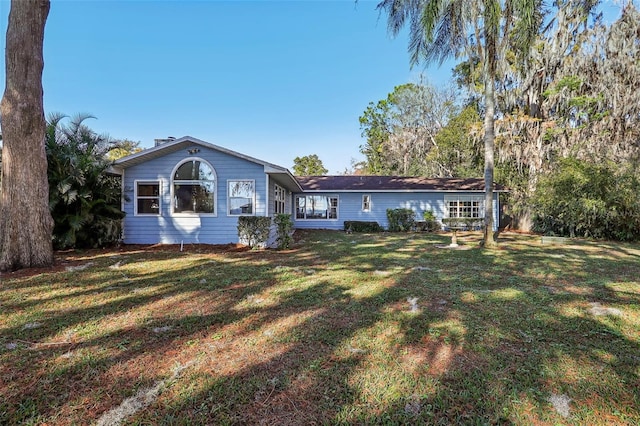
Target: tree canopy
{"points": [[123, 148], [485, 30], [401, 130], [309, 165], [572, 99], [604, 201]]}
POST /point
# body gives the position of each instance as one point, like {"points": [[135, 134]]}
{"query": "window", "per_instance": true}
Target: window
{"points": [[279, 199], [148, 198], [366, 203], [194, 187], [465, 206], [241, 195], [316, 207]]}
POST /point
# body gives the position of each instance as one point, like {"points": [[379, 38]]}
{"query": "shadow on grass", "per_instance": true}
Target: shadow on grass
{"points": [[325, 334]]}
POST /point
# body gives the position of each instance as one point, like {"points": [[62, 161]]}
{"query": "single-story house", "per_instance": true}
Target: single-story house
{"points": [[189, 191]]}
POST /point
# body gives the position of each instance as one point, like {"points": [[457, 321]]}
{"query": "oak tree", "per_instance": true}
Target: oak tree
{"points": [[25, 221]]}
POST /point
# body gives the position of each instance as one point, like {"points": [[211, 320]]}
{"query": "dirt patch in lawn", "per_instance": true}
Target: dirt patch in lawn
{"points": [[69, 259], [340, 329]]}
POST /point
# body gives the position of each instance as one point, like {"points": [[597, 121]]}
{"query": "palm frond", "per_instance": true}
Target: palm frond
{"points": [[79, 193]]}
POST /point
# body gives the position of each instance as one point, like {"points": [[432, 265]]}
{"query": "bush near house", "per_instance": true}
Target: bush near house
{"points": [[429, 223], [284, 226], [362, 226], [254, 230], [401, 220]]}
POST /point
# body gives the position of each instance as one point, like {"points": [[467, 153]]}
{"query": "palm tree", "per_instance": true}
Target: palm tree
{"points": [[84, 199], [485, 30]]}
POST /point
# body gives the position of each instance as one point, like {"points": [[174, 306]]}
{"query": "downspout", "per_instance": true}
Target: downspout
{"points": [[122, 195], [266, 207]]}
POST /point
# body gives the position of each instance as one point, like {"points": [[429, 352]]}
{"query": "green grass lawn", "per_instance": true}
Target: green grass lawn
{"points": [[341, 329]]}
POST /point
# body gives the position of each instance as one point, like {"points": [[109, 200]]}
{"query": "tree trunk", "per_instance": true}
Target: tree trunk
{"points": [[488, 239], [25, 221]]}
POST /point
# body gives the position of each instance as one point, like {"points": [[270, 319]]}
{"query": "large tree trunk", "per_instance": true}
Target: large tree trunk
{"points": [[25, 221], [488, 239]]}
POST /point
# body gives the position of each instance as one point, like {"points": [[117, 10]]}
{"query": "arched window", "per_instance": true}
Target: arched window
{"points": [[194, 187]]}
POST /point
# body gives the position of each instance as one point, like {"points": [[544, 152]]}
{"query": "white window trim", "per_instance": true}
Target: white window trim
{"points": [[295, 207], [480, 198], [283, 191], [253, 182], [367, 209], [172, 188], [146, 197]]}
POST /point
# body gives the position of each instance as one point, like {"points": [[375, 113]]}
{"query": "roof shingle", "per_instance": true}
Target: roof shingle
{"points": [[390, 183]]}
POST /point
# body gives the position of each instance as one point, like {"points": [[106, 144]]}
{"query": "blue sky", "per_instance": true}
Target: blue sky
{"points": [[270, 79]]}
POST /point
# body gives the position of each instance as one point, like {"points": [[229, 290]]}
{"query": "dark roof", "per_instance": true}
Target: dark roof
{"points": [[390, 183]]}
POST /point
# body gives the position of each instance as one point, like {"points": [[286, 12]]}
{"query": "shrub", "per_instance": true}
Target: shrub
{"points": [[361, 226], [588, 200], [428, 215], [400, 220], [254, 230], [284, 225], [429, 224]]}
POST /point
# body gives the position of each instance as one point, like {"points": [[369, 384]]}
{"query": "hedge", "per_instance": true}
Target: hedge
{"points": [[254, 230], [284, 225], [401, 220], [361, 226]]}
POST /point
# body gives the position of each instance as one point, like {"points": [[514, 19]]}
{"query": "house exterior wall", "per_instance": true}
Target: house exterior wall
{"points": [[170, 228], [220, 227], [272, 196], [272, 241], [350, 207]]}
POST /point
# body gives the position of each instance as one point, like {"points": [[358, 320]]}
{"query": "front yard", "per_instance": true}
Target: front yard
{"points": [[341, 329]]}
